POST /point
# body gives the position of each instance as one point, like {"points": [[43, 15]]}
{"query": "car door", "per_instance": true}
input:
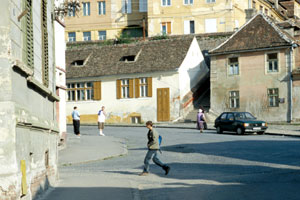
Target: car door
{"points": [[229, 122], [222, 120]]}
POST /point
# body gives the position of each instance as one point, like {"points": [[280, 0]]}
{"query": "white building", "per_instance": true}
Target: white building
{"points": [[137, 82], [60, 59], [28, 126]]}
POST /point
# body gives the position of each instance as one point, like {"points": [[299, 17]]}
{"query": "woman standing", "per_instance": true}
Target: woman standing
{"points": [[200, 120]]}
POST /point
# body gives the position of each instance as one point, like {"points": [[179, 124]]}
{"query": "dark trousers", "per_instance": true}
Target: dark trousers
{"points": [[76, 125], [152, 153]]}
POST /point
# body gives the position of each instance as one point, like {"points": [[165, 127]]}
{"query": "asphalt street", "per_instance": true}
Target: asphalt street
{"points": [[206, 166]]}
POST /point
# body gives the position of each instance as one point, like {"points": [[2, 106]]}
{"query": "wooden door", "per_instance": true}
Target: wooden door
{"points": [[163, 104]]}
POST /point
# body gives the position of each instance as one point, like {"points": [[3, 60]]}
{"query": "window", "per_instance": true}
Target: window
{"points": [[189, 27], [223, 117], [210, 25], [273, 96], [234, 99], [130, 58], [125, 88], [230, 116], [266, 11], [102, 35], [233, 64], [84, 91], [254, 4], [210, 1], [143, 87], [188, 2], [166, 28], [166, 2], [86, 9], [126, 6], [28, 36], [71, 12], [45, 57], [261, 8], [143, 6], [86, 36], [71, 36], [272, 62], [102, 7], [78, 63]]}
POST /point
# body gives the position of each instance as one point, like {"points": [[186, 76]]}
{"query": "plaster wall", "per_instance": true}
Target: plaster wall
{"points": [[26, 113], [226, 14], [121, 110], [112, 22], [252, 84]]}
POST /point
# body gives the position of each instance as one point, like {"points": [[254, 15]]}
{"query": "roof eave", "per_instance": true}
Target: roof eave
{"points": [[249, 50]]}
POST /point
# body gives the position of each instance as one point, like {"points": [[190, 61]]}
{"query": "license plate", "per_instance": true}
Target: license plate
{"points": [[256, 128]]}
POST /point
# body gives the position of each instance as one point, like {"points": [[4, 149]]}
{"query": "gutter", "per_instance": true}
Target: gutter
{"points": [[290, 83]]}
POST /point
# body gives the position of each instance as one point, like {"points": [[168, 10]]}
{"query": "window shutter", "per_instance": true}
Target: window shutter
{"points": [[97, 90], [130, 88], [137, 87], [169, 27], [149, 82], [118, 89]]}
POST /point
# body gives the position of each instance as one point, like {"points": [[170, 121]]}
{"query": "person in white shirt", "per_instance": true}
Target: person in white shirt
{"points": [[101, 120], [76, 121]]}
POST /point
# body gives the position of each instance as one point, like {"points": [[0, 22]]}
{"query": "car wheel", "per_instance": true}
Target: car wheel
{"points": [[260, 132], [240, 131], [219, 130]]}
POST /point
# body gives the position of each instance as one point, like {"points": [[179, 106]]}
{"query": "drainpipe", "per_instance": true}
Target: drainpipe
{"points": [[290, 83]]}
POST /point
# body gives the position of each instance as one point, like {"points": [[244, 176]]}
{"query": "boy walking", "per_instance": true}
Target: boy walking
{"points": [[153, 147], [101, 120]]}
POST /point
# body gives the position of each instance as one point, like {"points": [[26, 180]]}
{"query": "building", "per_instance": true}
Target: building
{"points": [[106, 19], [60, 60], [149, 80], [252, 71], [29, 131]]}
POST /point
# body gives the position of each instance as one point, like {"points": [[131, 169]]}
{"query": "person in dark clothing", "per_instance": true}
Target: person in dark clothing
{"points": [[153, 148]]}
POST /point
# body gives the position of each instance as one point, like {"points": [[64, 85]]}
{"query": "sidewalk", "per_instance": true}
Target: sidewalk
{"points": [[90, 148], [273, 129]]}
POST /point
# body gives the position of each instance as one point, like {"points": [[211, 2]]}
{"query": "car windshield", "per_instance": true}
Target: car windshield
{"points": [[243, 116]]}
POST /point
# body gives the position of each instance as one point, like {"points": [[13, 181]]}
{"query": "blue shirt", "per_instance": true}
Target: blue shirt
{"points": [[75, 115]]}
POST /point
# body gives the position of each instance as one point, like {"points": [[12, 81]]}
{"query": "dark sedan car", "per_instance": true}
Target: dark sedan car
{"points": [[239, 122]]}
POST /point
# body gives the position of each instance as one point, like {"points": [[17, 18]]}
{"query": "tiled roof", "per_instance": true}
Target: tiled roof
{"points": [[151, 56], [258, 33]]}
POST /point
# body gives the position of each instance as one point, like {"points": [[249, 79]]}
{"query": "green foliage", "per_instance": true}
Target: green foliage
{"points": [[160, 37]]}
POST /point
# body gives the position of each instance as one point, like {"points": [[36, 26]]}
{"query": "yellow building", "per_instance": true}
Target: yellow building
{"points": [[177, 17], [107, 19]]}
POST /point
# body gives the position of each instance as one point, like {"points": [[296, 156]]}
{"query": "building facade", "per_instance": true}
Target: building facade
{"points": [[252, 71], [29, 131], [108, 19], [135, 82]]}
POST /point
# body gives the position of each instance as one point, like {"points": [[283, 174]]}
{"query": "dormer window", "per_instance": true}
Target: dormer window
{"points": [[130, 58], [78, 63]]}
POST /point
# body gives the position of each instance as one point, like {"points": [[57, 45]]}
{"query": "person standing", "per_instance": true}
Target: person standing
{"points": [[101, 120], [76, 121], [200, 120], [153, 147]]}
